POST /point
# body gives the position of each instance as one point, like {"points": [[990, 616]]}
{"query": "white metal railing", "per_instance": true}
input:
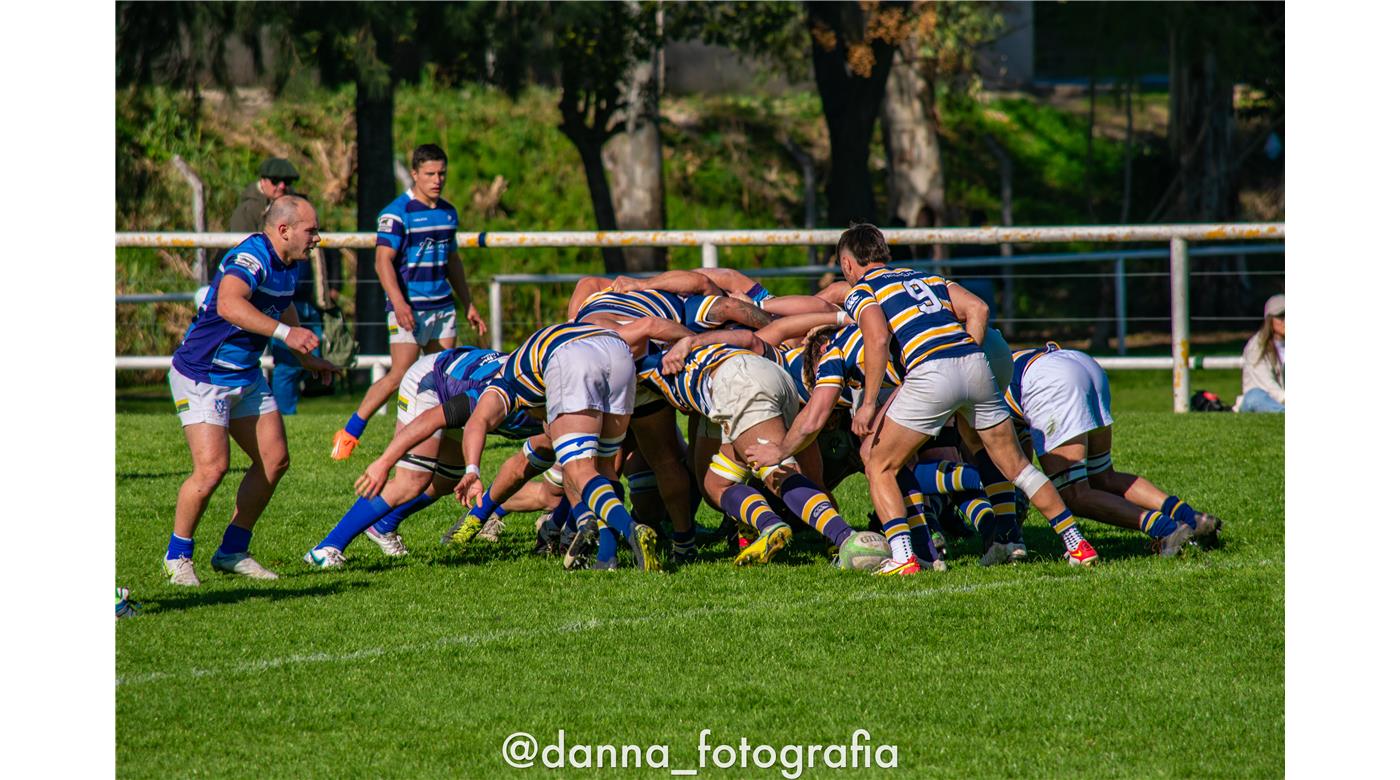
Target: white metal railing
{"points": [[1177, 235]]}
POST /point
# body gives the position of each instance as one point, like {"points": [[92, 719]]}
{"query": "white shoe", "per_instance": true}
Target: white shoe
{"points": [[325, 558], [391, 543], [240, 563], [996, 554], [1016, 552], [181, 571], [491, 530]]}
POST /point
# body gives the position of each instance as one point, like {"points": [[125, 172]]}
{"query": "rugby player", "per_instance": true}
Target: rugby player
{"points": [[584, 378], [219, 389], [417, 262], [438, 392], [749, 399], [1062, 395], [945, 372]]}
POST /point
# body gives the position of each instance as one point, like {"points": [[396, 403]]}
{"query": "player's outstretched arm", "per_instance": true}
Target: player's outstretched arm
{"points": [[805, 427], [679, 281], [796, 326], [638, 332], [490, 412], [376, 474], [875, 332]]}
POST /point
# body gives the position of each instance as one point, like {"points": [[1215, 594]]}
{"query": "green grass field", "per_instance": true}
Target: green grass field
{"points": [[421, 667]]}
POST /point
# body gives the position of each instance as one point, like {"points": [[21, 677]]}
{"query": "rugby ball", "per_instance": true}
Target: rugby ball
{"points": [[863, 551]]}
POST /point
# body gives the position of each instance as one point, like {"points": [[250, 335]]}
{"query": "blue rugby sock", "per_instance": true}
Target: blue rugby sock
{"points": [[683, 541], [235, 540], [808, 502], [487, 507], [355, 426], [602, 498], [390, 523], [1179, 511], [179, 547], [1156, 524], [362, 515]]}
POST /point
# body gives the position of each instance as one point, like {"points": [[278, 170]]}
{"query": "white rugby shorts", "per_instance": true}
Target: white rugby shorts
{"points": [[939, 387], [417, 391], [427, 326], [592, 373], [745, 390], [1064, 394], [200, 402]]}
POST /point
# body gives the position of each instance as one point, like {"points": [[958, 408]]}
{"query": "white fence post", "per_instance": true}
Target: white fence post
{"points": [[1120, 304], [496, 329], [376, 373], [1181, 326], [709, 255]]}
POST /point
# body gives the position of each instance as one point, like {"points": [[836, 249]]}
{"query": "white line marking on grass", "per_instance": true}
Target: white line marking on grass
{"points": [[491, 637]]}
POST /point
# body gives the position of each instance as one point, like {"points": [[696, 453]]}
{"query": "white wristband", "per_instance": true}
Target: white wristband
{"points": [[472, 469], [283, 331], [842, 317]]}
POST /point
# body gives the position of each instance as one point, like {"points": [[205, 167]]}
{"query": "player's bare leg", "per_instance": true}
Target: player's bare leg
{"points": [[209, 451], [1142, 492], [401, 357], [1005, 453]]}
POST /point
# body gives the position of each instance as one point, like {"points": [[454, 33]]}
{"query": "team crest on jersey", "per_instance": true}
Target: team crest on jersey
{"points": [[386, 224]]}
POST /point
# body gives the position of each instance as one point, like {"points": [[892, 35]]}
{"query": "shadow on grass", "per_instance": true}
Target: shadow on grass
{"points": [[208, 598], [121, 475]]}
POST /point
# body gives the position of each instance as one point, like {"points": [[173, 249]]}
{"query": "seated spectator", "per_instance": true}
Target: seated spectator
{"points": [[1263, 363]]}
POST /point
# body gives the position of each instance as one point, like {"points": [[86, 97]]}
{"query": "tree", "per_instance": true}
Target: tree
{"points": [[853, 47], [608, 106]]}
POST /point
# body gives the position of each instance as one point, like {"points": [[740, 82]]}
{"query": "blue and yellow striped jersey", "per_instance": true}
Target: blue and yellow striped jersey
{"points": [[843, 364], [469, 371], [695, 312], [688, 389], [918, 309], [1021, 360], [521, 382]]}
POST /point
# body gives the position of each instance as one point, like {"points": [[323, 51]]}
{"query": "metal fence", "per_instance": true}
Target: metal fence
{"points": [[1177, 253]]}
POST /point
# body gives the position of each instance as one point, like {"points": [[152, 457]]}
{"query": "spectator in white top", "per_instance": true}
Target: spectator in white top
{"points": [[1263, 363]]}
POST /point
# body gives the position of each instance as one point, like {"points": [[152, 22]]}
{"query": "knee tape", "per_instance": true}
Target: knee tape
{"points": [[1030, 480], [610, 447], [555, 477], [454, 473], [726, 469], [642, 482], [411, 462], [1075, 473], [537, 461], [1098, 464], [765, 471], [575, 446]]}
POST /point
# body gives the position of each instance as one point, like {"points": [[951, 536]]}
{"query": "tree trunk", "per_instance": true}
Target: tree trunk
{"points": [[596, 174], [1201, 134], [851, 104], [375, 187], [632, 159], [915, 166]]}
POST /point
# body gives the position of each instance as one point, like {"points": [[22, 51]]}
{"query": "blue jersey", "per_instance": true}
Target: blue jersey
{"points": [[423, 238], [467, 371], [218, 352], [521, 383], [1021, 360], [694, 312], [843, 365], [688, 389], [919, 312]]}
